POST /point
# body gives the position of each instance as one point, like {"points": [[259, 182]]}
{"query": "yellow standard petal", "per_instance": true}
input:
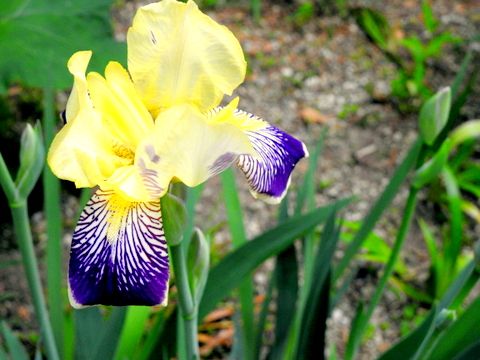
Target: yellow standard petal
{"points": [[83, 151], [177, 54], [77, 65], [121, 108], [189, 146], [79, 153]]}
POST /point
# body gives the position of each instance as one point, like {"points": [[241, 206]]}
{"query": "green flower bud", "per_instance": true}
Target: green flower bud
{"points": [[198, 262], [32, 158], [445, 319], [434, 115], [174, 216]]}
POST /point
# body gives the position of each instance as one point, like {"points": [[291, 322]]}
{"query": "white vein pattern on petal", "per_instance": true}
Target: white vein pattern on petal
{"points": [[278, 154], [134, 264]]}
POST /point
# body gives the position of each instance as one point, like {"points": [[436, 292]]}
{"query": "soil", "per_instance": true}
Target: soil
{"points": [[304, 79]]}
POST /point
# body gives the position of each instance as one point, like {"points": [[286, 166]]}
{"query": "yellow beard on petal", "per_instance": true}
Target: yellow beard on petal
{"points": [[123, 152], [118, 209]]}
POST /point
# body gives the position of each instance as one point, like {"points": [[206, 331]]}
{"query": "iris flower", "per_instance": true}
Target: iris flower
{"points": [[130, 134]]}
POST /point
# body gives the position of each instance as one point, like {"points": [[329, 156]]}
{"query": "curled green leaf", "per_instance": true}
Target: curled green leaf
{"points": [[466, 131]]}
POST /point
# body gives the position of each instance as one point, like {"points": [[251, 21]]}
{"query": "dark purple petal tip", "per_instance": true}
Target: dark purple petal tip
{"points": [[269, 174]]}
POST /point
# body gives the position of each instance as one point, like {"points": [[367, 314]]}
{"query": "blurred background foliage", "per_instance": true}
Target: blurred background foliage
{"points": [[317, 253]]}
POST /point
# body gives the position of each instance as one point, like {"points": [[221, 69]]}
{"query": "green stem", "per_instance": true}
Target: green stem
{"points": [[51, 190], [25, 244], [357, 333], [188, 310], [7, 183], [256, 7], [453, 244]]}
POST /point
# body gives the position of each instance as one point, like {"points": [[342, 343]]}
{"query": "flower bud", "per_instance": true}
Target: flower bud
{"points": [[198, 262], [174, 216], [445, 318], [434, 115], [32, 158]]}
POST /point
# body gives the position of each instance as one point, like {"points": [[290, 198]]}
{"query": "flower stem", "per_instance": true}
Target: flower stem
{"points": [[7, 183], [188, 309], [25, 244], [53, 214]]}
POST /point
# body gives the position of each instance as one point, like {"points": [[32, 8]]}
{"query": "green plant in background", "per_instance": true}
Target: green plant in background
{"points": [[452, 275], [411, 81], [348, 110], [32, 155], [375, 248], [39, 37], [256, 8], [441, 272], [303, 14], [303, 309], [308, 281], [410, 319], [307, 10], [448, 163], [434, 126]]}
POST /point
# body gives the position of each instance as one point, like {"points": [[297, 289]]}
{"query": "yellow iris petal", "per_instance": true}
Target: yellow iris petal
{"points": [[177, 54], [77, 65], [189, 146], [82, 151], [122, 110]]}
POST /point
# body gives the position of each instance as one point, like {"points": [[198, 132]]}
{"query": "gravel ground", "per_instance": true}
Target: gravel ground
{"points": [[325, 75]]}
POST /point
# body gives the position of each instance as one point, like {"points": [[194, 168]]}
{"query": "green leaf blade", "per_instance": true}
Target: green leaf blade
{"points": [[40, 36], [229, 272], [15, 348], [408, 346], [315, 313], [132, 331]]}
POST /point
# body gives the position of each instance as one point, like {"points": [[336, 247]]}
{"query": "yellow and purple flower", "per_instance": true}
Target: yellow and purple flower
{"points": [[133, 133]]}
